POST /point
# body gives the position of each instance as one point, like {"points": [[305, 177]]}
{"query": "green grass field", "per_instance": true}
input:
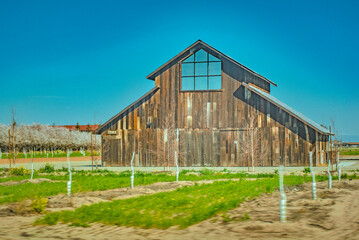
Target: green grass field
{"points": [[349, 152], [182, 208], [92, 181]]}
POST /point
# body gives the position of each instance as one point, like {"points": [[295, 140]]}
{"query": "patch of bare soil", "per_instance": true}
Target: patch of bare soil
{"points": [[333, 216], [36, 180]]}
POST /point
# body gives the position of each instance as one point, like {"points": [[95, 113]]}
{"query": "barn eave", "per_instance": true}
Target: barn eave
{"points": [[127, 110], [288, 109]]}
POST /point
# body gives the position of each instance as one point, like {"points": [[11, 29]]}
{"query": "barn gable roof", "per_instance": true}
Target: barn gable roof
{"points": [[126, 111], [194, 47], [288, 109]]}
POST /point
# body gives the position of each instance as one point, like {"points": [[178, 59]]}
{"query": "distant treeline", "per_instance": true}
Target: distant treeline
{"points": [[40, 137]]}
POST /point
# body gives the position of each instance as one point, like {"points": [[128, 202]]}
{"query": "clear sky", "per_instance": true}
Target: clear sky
{"points": [[65, 62]]}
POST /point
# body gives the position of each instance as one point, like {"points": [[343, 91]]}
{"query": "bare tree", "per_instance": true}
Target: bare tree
{"points": [[336, 140], [12, 135], [251, 146], [167, 145]]}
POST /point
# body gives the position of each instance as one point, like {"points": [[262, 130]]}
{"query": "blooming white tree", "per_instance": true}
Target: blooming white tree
{"points": [[44, 137]]}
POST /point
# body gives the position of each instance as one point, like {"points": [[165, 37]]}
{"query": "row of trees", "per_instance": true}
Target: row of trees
{"points": [[39, 137]]}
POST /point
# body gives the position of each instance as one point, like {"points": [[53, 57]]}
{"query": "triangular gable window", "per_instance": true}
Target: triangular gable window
{"points": [[201, 71]]}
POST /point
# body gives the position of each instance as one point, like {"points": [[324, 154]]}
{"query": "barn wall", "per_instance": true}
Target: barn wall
{"points": [[210, 125]]}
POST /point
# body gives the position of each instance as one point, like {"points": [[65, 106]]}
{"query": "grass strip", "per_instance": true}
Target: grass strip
{"points": [[91, 181], [49, 155], [349, 152], [182, 208]]}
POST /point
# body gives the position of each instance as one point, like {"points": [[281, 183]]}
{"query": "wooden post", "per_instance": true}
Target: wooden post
{"points": [[248, 151], [331, 147], [164, 156], [337, 161], [252, 150], [32, 163], [13, 145], [9, 147], [164, 149], [91, 150], [96, 151]]}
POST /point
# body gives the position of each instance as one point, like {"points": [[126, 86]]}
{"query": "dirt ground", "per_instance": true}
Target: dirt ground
{"points": [[333, 216]]}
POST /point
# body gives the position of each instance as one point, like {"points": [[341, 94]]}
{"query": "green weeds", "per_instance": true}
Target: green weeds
{"points": [[85, 181], [38, 205], [18, 171], [182, 208], [48, 168]]}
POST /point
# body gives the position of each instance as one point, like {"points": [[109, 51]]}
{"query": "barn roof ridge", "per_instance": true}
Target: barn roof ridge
{"points": [[287, 108], [187, 51], [127, 110]]}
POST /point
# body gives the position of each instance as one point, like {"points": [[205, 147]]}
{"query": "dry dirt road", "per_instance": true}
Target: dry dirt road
{"points": [[334, 215]]}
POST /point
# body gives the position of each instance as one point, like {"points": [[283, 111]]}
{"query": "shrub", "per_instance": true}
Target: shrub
{"points": [[206, 171], [306, 170], [21, 171], [48, 168], [39, 205]]}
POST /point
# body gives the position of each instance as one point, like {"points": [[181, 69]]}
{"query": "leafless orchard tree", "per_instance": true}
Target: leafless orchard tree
{"points": [[12, 135], [336, 140], [167, 145], [251, 145]]}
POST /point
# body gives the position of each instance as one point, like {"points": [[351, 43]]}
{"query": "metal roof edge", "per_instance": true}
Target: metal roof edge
{"points": [[257, 91]]}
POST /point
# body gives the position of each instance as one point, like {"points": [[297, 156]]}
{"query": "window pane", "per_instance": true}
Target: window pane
{"points": [[187, 69], [190, 59], [201, 83], [214, 68], [201, 56], [214, 82], [212, 58], [201, 69], [187, 83]]}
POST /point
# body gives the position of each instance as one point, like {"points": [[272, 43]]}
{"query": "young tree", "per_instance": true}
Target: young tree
{"points": [[168, 144], [12, 134], [250, 142], [335, 143]]}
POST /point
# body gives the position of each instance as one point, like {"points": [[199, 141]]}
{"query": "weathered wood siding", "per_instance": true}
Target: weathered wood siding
{"points": [[210, 124]]}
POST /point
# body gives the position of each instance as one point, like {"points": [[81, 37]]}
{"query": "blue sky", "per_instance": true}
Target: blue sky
{"points": [[65, 62]]}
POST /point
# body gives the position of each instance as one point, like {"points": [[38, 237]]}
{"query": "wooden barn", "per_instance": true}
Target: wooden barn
{"points": [[212, 111]]}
